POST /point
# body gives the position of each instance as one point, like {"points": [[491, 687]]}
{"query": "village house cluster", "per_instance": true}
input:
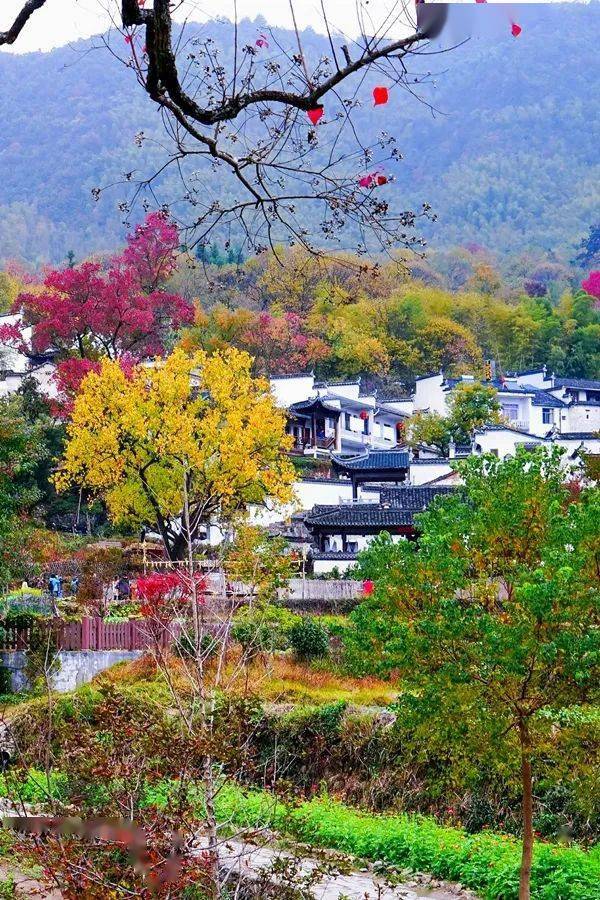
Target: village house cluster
{"points": [[371, 481], [377, 483]]}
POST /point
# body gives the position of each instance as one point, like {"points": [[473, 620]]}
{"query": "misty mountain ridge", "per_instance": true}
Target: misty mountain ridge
{"points": [[509, 161]]}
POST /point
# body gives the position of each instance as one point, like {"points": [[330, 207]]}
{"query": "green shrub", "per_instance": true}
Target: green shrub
{"points": [[264, 628], [309, 639], [8, 888], [5, 681]]}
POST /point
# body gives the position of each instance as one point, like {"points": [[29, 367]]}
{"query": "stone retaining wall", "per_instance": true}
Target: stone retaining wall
{"points": [[76, 667]]}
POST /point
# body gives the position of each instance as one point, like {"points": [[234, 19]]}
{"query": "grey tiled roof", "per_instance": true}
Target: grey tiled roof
{"points": [[496, 383], [313, 404], [543, 398], [291, 375], [358, 515], [374, 459], [414, 498], [577, 436], [578, 383], [333, 555]]}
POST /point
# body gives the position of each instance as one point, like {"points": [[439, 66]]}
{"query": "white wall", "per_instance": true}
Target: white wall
{"points": [[590, 445], [10, 384], [424, 471], [326, 566], [405, 407], [350, 391], [429, 394], [582, 418], [536, 420], [328, 492], [292, 390], [501, 441], [535, 379]]}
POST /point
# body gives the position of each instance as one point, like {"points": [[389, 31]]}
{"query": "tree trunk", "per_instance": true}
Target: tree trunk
{"points": [[527, 788]]}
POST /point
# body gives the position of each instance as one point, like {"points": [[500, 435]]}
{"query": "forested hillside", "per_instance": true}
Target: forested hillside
{"points": [[509, 160]]}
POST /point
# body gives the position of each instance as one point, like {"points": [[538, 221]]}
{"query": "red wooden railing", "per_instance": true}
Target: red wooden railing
{"points": [[93, 633]]}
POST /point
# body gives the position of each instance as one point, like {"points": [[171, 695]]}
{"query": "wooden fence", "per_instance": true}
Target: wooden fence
{"points": [[93, 633]]}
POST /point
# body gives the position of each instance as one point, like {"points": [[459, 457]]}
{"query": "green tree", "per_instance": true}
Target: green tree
{"points": [[470, 406], [496, 612], [21, 449]]}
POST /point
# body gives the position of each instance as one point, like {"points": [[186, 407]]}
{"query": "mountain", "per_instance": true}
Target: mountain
{"points": [[509, 160]]}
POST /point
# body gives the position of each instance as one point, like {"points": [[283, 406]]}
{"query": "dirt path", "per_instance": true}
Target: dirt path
{"points": [[27, 886]]}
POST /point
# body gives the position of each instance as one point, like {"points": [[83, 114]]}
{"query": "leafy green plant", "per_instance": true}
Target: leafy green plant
{"points": [[309, 639]]}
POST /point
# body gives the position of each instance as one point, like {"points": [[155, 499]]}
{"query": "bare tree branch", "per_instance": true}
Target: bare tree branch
{"points": [[287, 179], [10, 36]]}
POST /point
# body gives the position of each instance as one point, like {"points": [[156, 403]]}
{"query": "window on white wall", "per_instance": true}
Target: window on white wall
{"points": [[347, 422], [511, 411], [546, 416]]}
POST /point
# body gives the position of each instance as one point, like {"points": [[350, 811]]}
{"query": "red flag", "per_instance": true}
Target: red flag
{"points": [[380, 95], [315, 114]]}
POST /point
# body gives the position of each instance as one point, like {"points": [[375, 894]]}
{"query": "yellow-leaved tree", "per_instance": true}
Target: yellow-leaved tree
{"points": [[177, 443]]}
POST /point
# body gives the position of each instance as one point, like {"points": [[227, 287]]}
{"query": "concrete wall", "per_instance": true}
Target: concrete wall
{"points": [[76, 666]]}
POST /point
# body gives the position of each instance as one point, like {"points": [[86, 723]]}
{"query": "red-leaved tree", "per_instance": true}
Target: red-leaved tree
{"points": [[283, 344], [111, 309], [591, 285], [118, 309]]}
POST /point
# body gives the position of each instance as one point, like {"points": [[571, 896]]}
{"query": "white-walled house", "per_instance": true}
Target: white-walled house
{"points": [[341, 532], [337, 416], [579, 399], [532, 402], [15, 366]]}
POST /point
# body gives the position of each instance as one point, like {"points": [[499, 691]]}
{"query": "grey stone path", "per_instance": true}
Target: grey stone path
{"points": [[250, 861]]}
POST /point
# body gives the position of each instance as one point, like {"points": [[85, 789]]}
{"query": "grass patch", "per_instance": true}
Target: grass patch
{"points": [[485, 862], [276, 679], [292, 681]]}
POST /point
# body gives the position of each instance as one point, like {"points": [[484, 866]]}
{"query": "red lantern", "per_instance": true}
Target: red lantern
{"points": [[381, 179], [380, 95], [315, 114], [515, 30], [368, 587], [364, 414]]}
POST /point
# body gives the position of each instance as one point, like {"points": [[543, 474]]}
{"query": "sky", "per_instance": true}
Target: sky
{"points": [[62, 21]]}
